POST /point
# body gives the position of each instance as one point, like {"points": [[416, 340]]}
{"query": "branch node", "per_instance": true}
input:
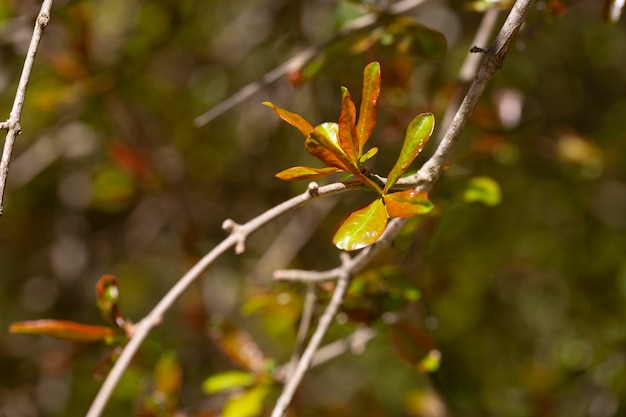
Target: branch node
{"points": [[229, 225], [43, 19], [313, 188], [478, 50]]}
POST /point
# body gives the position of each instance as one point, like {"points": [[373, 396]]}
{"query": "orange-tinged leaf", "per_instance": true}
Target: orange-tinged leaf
{"points": [[417, 136], [305, 173], [293, 119], [321, 147], [369, 101], [407, 203], [362, 227], [239, 346], [168, 375], [62, 329], [347, 126]]}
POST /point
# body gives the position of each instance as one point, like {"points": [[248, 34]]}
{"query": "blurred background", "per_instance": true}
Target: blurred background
{"points": [[522, 291]]}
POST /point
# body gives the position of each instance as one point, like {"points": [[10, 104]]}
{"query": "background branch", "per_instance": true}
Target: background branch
{"points": [[13, 123]]}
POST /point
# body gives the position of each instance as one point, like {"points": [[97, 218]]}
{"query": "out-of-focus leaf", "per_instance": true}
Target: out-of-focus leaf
{"points": [[239, 346], [347, 126], [407, 203], [62, 329], [414, 346], [362, 227], [112, 188], [613, 10], [108, 293], [168, 374], [369, 101], [293, 119], [247, 404], [412, 38], [484, 5], [228, 380], [417, 135], [305, 173], [482, 190]]}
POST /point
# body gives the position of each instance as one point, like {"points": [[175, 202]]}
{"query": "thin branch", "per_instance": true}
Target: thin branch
{"points": [[237, 238], [298, 62], [303, 328], [13, 123], [305, 361]]}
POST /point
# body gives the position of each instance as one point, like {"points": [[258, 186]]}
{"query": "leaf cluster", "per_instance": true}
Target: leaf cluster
{"points": [[340, 146]]}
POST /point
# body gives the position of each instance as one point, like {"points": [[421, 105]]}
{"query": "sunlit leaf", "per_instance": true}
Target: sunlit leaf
{"points": [[239, 346], [483, 190], [168, 374], [368, 155], [362, 227], [369, 101], [228, 380], [417, 136], [293, 119], [407, 203], [320, 146], [108, 293], [347, 126], [247, 404], [62, 329], [305, 173], [414, 346]]}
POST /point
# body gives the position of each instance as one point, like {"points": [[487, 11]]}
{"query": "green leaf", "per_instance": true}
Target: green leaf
{"points": [[407, 203], [293, 119], [62, 329], [368, 155], [483, 190], [369, 101], [248, 404], [347, 126], [362, 227], [107, 292], [417, 136], [415, 39], [305, 173], [228, 380]]}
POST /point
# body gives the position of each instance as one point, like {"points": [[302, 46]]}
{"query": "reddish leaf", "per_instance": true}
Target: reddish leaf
{"points": [[407, 203], [321, 147], [108, 293], [417, 136], [368, 110], [414, 346], [362, 227], [305, 173], [64, 330], [347, 126], [293, 119], [239, 346]]}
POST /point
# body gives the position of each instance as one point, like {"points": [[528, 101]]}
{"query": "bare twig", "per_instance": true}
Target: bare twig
{"points": [[237, 238], [300, 60], [13, 123], [303, 328], [305, 361]]}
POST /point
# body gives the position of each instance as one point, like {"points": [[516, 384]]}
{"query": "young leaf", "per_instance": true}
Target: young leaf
{"points": [[321, 147], [483, 190], [248, 404], [305, 173], [347, 126], [61, 329], [293, 119], [228, 380], [368, 155], [417, 136], [362, 227], [369, 101], [407, 203], [108, 294]]}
